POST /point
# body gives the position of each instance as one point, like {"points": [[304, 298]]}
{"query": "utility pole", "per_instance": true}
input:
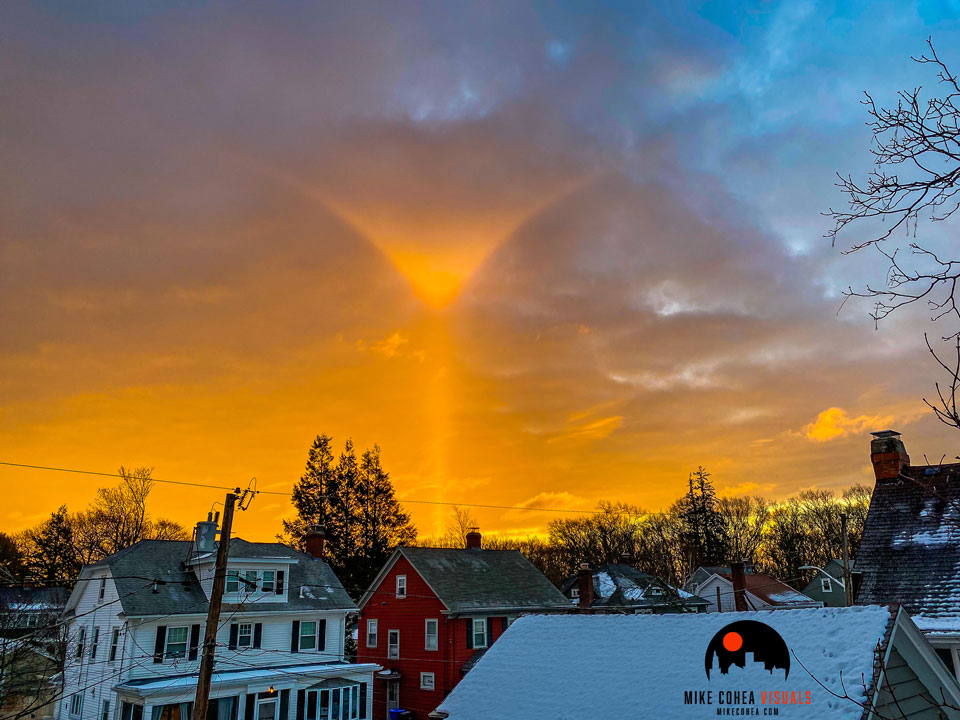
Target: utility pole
{"points": [[213, 614], [847, 581]]}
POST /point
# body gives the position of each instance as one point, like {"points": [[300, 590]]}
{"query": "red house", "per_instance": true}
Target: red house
{"points": [[431, 613]]}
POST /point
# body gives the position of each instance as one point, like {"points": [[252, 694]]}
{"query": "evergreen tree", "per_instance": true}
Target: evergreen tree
{"points": [[308, 494], [355, 503], [49, 554], [704, 528]]}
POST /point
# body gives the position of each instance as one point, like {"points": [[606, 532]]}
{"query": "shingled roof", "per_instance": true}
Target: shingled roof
{"points": [[624, 587], [472, 580], [312, 585], [909, 552]]}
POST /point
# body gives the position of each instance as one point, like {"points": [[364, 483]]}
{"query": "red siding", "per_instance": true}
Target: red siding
{"points": [[409, 615]]}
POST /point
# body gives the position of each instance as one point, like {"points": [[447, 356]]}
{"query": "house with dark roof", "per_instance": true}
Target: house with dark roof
{"points": [[431, 613], [620, 588], [849, 663], [762, 592], [910, 549], [136, 621]]}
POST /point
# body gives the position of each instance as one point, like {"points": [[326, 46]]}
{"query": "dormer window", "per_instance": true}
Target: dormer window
{"points": [[233, 581], [401, 586], [251, 581], [266, 583]]}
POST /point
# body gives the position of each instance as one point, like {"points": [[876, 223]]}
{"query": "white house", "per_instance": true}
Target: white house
{"points": [[136, 626], [849, 663]]}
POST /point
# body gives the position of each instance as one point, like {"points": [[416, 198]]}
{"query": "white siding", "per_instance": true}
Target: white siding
{"points": [[708, 591], [94, 677]]}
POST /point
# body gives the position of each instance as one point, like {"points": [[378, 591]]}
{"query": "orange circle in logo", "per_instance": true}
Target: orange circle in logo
{"points": [[732, 641]]}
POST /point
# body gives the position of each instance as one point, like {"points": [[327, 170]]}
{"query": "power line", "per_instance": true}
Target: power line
{"points": [[287, 494]]}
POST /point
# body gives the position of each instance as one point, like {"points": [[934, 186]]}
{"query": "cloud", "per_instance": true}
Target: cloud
{"points": [[834, 423]]}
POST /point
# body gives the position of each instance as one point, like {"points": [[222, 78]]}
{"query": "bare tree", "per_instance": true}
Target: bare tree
{"points": [[916, 175]]}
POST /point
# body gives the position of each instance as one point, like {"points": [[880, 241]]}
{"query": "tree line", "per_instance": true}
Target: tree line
{"points": [[352, 497], [700, 528], [53, 551]]}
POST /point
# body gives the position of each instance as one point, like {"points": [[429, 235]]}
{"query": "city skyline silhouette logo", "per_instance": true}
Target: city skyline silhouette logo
{"points": [[747, 641]]}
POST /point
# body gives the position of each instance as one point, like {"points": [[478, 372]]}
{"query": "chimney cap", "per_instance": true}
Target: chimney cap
{"points": [[584, 566], [885, 434]]}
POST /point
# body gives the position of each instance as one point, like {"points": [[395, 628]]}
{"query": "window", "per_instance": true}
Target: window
{"points": [[393, 643], [81, 638], [245, 635], [575, 593], [105, 710], [479, 633], [401, 586], [946, 654], [103, 588], [371, 633], [308, 635], [266, 582], [426, 681], [114, 643], [94, 642], [251, 581], [393, 692], [131, 711], [233, 581], [176, 642], [76, 704], [825, 585], [431, 632]]}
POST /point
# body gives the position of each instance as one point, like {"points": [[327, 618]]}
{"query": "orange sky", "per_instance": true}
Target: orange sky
{"points": [[540, 268]]}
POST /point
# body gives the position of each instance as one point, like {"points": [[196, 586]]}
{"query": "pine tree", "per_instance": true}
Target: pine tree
{"points": [[49, 553], [355, 503], [704, 530], [308, 494]]}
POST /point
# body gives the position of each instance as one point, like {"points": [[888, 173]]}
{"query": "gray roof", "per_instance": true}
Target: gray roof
{"points": [[622, 586], [910, 549], [311, 584], [26, 599], [474, 579]]}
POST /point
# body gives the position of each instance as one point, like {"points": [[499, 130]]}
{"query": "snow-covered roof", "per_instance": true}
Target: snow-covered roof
{"points": [[570, 666], [909, 552], [619, 586]]}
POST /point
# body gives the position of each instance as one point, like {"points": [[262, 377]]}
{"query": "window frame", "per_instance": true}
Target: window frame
{"points": [[114, 644], [372, 630], [393, 648], [826, 585], [427, 634], [102, 591], [81, 642], [166, 642], [252, 578], [483, 631], [94, 642], [235, 581], [401, 586], [240, 635], [302, 635], [76, 699], [105, 709], [433, 681], [263, 581]]}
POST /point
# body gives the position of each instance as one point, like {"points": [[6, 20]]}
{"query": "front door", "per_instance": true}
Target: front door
{"points": [[393, 696], [267, 709]]}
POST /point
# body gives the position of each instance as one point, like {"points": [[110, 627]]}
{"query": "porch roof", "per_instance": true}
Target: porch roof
{"points": [[231, 678]]}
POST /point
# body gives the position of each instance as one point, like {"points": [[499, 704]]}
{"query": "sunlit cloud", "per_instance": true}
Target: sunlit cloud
{"points": [[834, 423]]}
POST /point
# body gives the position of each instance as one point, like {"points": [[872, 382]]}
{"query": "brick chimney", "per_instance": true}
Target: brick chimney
{"points": [[585, 586], [474, 539], [888, 455], [738, 576], [314, 540]]}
